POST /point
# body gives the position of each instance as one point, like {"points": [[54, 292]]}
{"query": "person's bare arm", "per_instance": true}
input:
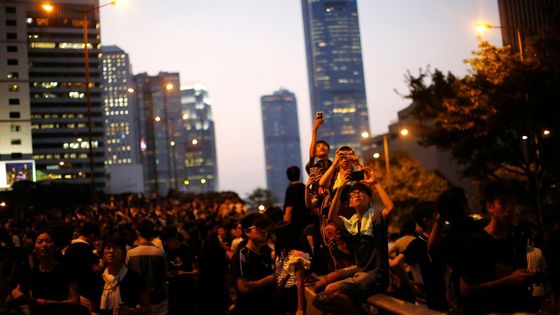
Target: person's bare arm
{"points": [[371, 181], [245, 286], [325, 181], [335, 204], [300, 282], [316, 124], [288, 214], [517, 277]]}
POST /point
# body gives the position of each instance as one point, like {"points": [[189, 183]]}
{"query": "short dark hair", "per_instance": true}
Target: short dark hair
{"points": [[89, 229], [452, 203], [501, 190], [361, 187], [293, 173], [115, 243], [146, 228], [167, 233], [254, 219], [323, 142], [423, 211], [408, 227]]}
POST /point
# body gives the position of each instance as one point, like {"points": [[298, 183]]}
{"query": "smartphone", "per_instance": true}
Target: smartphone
{"points": [[319, 115], [314, 170], [357, 176]]}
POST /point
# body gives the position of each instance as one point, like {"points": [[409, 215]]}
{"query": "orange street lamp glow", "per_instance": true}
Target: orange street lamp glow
{"points": [[546, 132], [404, 132], [365, 134], [47, 7], [482, 27], [194, 142], [169, 87], [376, 155]]}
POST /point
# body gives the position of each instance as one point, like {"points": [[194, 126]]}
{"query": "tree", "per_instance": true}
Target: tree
{"points": [[492, 120], [410, 182], [260, 196]]}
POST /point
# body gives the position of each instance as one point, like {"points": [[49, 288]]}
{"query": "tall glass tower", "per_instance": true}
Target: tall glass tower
{"points": [[335, 70], [281, 139], [122, 148], [198, 141]]}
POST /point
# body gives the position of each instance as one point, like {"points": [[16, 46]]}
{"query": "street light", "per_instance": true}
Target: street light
{"points": [[483, 27], [169, 87], [48, 8]]}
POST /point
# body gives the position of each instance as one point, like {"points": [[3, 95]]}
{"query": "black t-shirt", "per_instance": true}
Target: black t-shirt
{"points": [[52, 285], [295, 198], [485, 259], [180, 259], [79, 260], [254, 266], [322, 164], [434, 287]]}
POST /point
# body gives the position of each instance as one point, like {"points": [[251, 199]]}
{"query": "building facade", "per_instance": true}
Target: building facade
{"points": [[335, 70], [15, 112], [520, 19], [159, 114], [281, 139], [52, 88], [122, 148], [198, 140]]}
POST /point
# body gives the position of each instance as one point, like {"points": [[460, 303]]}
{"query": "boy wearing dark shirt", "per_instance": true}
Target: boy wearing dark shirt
{"points": [[494, 277], [253, 269]]}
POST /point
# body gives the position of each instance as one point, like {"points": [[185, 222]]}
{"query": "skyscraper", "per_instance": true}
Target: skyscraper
{"points": [[335, 70], [281, 139], [15, 111], [520, 19], [122, 145], [54, 59], [159, 114], [198, 140]]}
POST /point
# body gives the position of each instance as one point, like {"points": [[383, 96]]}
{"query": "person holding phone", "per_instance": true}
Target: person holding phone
{"points": [[366, 232], [318, 149]]}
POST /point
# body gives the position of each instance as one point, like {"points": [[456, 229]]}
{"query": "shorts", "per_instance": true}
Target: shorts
{"points": [[359, 287]]}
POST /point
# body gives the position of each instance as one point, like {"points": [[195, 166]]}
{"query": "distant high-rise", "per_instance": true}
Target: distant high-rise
{"points": [[48, 52], [526, 17], [159, 114], [281, 139], [335, 70], [122, 147], [15, 111], [198, 140]]}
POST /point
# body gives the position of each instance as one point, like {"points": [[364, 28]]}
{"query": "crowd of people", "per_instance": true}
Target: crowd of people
{"points": [[209, 254]]}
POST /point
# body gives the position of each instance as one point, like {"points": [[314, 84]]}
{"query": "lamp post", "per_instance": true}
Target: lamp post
{"points": [[482, 27], [47, 7], [403, 132]]}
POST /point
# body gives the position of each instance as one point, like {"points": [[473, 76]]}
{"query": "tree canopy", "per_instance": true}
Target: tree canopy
{"points": [[493, 119]]}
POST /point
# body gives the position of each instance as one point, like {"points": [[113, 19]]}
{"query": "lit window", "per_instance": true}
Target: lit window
{"points": [[43, 45], [13, 88]]}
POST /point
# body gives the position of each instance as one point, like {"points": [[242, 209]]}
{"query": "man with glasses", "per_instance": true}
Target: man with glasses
{"points": [[366, 232], [253, 268]]}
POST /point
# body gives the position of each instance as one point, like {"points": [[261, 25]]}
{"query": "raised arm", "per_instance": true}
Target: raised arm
{"points": [[327, 176], [316, 123], [335, 205], [372, 182]]}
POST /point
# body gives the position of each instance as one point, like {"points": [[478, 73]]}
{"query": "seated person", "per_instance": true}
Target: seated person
{"points": [[366, 231]]}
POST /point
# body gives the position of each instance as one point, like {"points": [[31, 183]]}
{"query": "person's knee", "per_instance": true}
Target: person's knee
{"points": [[322, 301], [331, 288]]}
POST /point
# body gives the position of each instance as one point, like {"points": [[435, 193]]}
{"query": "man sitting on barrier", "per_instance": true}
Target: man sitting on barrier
{"points": [[366, 232]]}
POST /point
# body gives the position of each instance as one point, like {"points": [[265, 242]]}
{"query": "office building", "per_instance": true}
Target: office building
{"points": [[520, 19], [198, 140], [159, 117], [15, 111], [281, 139], [49, 55], [122, 148], [335, 70]]}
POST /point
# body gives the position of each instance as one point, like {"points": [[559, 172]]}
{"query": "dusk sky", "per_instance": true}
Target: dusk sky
{"points": [[241, 50]]}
